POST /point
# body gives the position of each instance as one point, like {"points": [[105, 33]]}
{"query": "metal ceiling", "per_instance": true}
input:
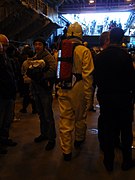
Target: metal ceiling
{"points": [[20, 21], [83, 6]]}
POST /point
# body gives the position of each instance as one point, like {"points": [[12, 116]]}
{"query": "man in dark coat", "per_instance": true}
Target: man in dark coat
{"points": [[7, 95], [42, 85], [115, 81]]}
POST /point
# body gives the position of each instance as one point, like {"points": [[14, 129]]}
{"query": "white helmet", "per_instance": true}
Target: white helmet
{"points": [[75, 29]]}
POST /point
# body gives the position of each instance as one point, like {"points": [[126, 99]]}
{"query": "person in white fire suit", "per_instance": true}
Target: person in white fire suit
{"points": [[75, 102]]}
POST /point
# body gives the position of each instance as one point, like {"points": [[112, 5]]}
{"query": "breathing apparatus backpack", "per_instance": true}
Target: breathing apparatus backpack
{"points": [[65, 63]]}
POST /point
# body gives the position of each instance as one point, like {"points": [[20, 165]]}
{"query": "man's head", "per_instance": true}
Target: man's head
{"points": [[27, 52], [104, 39], [75, 30], [116, 35], [39, 44], [4, 42]]}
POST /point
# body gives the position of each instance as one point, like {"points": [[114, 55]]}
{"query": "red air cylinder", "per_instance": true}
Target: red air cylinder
{"points": [[65, 63]]}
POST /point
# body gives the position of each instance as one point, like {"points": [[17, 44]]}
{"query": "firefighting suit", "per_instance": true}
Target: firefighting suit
{"points": [[74, 102]]}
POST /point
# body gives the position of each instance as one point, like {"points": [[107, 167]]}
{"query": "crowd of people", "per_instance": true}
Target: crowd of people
{"points": [[109, 69]]}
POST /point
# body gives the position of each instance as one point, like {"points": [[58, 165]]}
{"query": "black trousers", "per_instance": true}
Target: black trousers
{"points": [[112, 122]]}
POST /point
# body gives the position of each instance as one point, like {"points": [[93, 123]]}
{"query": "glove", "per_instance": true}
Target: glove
{"points": [[35, 73]]}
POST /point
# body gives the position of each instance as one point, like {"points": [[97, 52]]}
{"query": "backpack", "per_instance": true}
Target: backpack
{"points": [[65, 63]]}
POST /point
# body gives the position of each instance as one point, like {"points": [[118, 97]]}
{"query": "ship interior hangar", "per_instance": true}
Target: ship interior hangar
{"points": [[24, 20]]}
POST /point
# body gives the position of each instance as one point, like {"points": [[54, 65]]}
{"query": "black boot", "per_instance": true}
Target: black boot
{"points": [[8, 142]]}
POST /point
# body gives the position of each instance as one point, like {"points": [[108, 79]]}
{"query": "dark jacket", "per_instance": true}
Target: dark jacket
{"points": [[114, 76], [7, 78], [45, 77]]}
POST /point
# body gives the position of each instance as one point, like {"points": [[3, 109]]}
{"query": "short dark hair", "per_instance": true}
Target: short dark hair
{"points": [[39, 39], [116, 35]]}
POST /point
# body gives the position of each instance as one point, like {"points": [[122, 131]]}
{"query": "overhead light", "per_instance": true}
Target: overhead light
{"points": [[91, 1]]}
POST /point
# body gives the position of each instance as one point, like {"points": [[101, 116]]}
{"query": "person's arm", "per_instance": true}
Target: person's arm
{"points": [[87, 70], [50, 70]]}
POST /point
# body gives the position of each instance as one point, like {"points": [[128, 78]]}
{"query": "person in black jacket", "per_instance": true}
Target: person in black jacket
{"points": [[114, 75], [7, 95], [42, 86]]}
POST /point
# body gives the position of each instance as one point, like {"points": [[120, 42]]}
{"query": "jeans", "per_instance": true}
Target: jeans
{"points": [[45, 112]]}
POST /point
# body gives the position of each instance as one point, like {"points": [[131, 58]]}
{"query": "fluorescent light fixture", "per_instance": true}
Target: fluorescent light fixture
{"points": [[91, 1]]}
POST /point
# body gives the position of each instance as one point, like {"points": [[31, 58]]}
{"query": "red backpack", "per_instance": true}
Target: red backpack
{"points": [[65, 63]]}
